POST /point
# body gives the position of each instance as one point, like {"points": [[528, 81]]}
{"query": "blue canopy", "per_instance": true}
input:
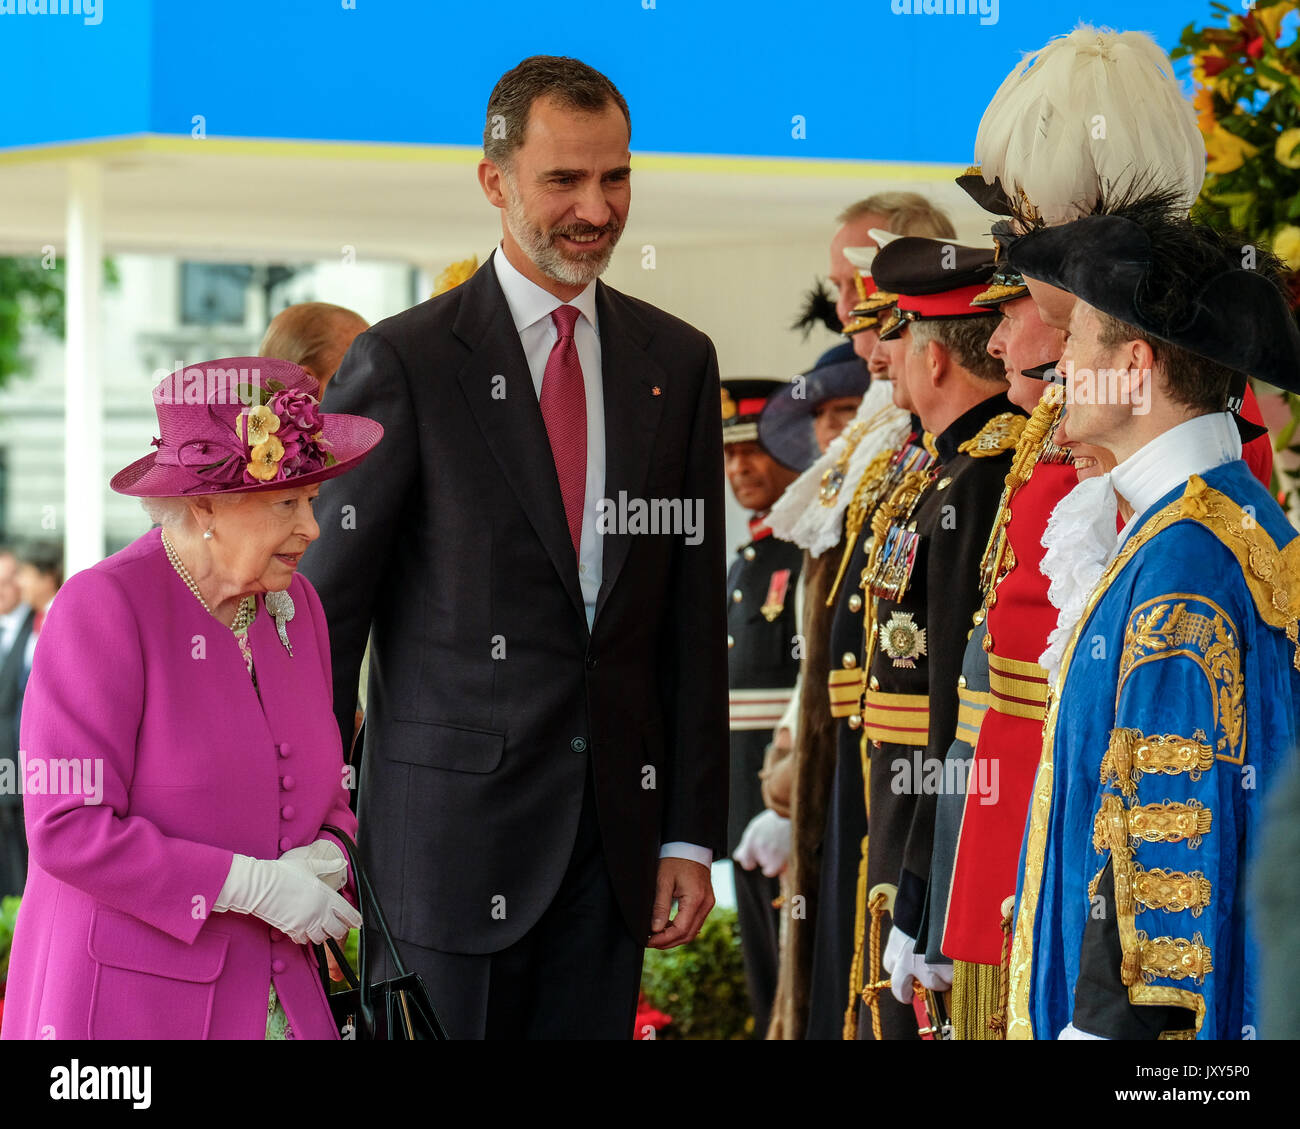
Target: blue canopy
{"points": [[761, 78]]}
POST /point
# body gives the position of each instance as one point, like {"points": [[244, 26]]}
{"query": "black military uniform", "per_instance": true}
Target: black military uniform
{"points": [[846, 815], [924, 590], [763, 665]]}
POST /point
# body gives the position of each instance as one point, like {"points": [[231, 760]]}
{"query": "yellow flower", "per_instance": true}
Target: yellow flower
{"points": [[454, 275], [1286, 245], [264, 459], [1285, 150], [1203, 101], [1271, 17], [1227, 151], [262, 423]]}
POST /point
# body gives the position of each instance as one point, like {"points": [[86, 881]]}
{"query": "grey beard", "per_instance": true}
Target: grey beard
{"points": [[549, 259]]}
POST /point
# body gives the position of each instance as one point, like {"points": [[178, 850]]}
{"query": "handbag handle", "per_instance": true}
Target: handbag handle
{"points": [[372, 916]]}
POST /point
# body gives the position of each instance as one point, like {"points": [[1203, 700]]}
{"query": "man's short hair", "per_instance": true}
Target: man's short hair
{"points": [[304, 333], [904, 213], [1193, 381], [46, 557], [966, 340], [570, 82]]}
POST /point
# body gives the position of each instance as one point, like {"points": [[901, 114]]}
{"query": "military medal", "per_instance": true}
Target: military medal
{"points": [[774, 605], [902, 640], [912, 474], [280, 605]]}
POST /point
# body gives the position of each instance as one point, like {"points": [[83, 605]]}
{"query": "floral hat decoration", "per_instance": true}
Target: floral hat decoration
{"points": [[244, 423]]}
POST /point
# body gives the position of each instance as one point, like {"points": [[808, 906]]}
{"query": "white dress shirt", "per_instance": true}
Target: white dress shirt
{"points": [[1170, 459], [531, 308]]}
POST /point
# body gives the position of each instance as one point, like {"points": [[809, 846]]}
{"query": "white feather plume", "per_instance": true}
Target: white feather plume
{"points": [[1092, 113]]}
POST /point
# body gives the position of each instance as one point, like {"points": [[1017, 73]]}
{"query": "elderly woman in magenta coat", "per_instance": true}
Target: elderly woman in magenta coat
{"points": [[181, 756]]}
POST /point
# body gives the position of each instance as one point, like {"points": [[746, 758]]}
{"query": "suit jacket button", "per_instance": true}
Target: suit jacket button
{"points": [[288, 811], [591, 662], [737, 596], [287, 783], [283, 748], [750, 553], [578, 744], [277, 966], [731, 641], [285, 843]]}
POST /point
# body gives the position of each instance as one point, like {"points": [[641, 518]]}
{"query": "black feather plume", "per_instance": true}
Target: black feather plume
{"points": [[818, 309]]}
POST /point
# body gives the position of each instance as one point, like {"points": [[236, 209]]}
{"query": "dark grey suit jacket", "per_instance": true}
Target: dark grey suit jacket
{"points": [[487, 693], [11, 700]]}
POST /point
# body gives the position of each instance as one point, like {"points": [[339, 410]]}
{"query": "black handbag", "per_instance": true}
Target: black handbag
{"points": [[397, 1009]]}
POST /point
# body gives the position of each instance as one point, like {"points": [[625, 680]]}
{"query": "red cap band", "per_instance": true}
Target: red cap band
{"points": [[949, 304]]}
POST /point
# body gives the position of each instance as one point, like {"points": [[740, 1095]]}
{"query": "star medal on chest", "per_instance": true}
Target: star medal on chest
{"points": [[902, 640], [280, 605]]}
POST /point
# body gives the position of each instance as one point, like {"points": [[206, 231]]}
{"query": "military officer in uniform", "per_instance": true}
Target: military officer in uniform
{"points": [[763, 664], [930, 522]]}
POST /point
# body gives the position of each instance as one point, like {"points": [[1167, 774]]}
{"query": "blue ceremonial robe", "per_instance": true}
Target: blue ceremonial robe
{"points": [[1177, 708]]}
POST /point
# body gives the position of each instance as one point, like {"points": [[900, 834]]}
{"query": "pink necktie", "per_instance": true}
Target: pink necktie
{"points": [[564, 409]]}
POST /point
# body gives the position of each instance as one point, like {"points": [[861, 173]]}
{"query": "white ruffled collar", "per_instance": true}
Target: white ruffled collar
{"points": [[799, 515], [1080, 540]]}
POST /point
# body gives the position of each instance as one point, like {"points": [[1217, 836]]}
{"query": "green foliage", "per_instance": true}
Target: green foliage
{"points": [[1247, 98], [8, 919], [702, 985], [32, 295]]}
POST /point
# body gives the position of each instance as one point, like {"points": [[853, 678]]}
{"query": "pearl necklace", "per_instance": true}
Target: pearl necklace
{"points": [[247, 606]]}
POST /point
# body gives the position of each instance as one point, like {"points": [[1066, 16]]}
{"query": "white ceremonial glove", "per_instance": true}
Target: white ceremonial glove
{"points": [[284, 894], [765, 843], [1072, 1033], [897, 961], [323, 859], [936, 977]]}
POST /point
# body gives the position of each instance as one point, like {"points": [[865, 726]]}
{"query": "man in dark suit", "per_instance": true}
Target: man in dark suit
{"points": [[535, 550], [15, 629]]}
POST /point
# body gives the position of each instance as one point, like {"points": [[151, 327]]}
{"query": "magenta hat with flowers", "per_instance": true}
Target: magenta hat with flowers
{"points": [[240, 424]]}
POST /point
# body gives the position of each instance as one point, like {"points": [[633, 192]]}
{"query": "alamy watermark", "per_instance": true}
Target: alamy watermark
{"points": [[91, 11], [953, 776], [54, 776], [673, 517], [987, 10]]}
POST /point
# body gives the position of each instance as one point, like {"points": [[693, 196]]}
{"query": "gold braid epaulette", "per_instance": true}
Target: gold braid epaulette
{"points": [[1001, 433], [1035, 437], [864, 499], [1271, 574]]}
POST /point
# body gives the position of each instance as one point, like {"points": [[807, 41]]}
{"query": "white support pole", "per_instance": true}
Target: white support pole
{"points": [[83, 439]]}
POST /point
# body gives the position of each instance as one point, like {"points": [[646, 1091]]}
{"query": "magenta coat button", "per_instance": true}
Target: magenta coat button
{"points": [[287, 783], [288, 811], [286, 843], [284, 748], [277, 966]]}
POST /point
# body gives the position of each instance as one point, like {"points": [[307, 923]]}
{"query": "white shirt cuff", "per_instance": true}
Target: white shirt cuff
{"points": [[702, 855]]}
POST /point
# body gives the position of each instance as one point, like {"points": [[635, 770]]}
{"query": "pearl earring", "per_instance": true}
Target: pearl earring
{"points": [[207, 535]]}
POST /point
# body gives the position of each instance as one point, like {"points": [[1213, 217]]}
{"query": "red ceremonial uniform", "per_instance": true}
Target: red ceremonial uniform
{"points": [[1020, 617]]}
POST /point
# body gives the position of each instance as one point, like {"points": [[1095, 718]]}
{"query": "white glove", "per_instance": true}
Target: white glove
{"points": [[284, 894], [1072, 1032], [897, 961], [765, 843], [905, 964], [323, 859]]}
